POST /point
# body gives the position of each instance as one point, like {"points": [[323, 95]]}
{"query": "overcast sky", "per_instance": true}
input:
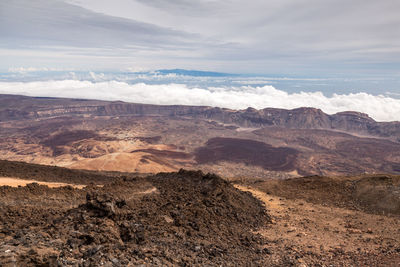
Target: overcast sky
{"points": [[303, 37]]}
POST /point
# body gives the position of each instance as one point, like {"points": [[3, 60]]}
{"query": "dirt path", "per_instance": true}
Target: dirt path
{"points": [[15, 182], [315, 230]]}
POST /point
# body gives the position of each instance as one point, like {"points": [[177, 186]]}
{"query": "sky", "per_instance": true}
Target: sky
{"points": [[335, 55], [301, 37]]}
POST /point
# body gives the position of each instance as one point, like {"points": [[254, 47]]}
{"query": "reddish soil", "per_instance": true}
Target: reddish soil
{"points": [[333, 221], [64, 138], [165, 153], [57, 141], [322, 234]]}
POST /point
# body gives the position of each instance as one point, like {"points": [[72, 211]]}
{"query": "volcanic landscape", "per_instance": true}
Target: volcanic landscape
{"points": [[90, 183]]}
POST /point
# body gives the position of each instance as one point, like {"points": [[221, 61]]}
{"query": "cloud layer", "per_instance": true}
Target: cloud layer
{"points": [[381, 108], [258, 36]]}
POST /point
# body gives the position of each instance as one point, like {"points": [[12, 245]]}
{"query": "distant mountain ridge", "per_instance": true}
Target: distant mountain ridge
{"points": [[195, 73], [14, 107]]}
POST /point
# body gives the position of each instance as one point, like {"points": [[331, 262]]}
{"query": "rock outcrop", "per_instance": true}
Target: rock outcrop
{"points": [[21, 107]]}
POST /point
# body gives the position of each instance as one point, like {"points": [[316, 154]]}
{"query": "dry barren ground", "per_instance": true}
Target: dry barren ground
{"points": [[318, 234]]}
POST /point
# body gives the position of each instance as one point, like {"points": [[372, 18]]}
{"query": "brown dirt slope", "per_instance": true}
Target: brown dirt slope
{"points": [[51, 173], [378, 194]]}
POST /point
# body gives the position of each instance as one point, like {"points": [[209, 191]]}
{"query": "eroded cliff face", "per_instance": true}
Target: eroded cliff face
{"points": [[21, 107]]}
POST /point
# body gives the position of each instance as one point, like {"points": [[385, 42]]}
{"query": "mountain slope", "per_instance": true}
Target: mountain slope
{"points": [[21, 107], [118, 136]]}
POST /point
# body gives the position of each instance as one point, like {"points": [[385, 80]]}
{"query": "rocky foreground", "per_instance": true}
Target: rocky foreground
{"points": [[182, 219], [188, 218]]}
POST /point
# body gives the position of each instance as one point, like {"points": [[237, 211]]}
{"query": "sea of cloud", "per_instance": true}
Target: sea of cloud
{"points": [[379, 107]]}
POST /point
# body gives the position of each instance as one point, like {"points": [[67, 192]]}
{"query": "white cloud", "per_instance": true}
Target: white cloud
{"points": [[255, 82], [136, 69], [31, 69], [381, 108]]}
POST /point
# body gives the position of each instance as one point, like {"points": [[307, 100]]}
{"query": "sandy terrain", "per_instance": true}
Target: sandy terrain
{"points": [[15, 182]]}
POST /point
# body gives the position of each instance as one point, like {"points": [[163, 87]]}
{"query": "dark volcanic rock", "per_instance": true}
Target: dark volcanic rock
{"points": [[247, 151], [191, 219], [50, 173]]}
